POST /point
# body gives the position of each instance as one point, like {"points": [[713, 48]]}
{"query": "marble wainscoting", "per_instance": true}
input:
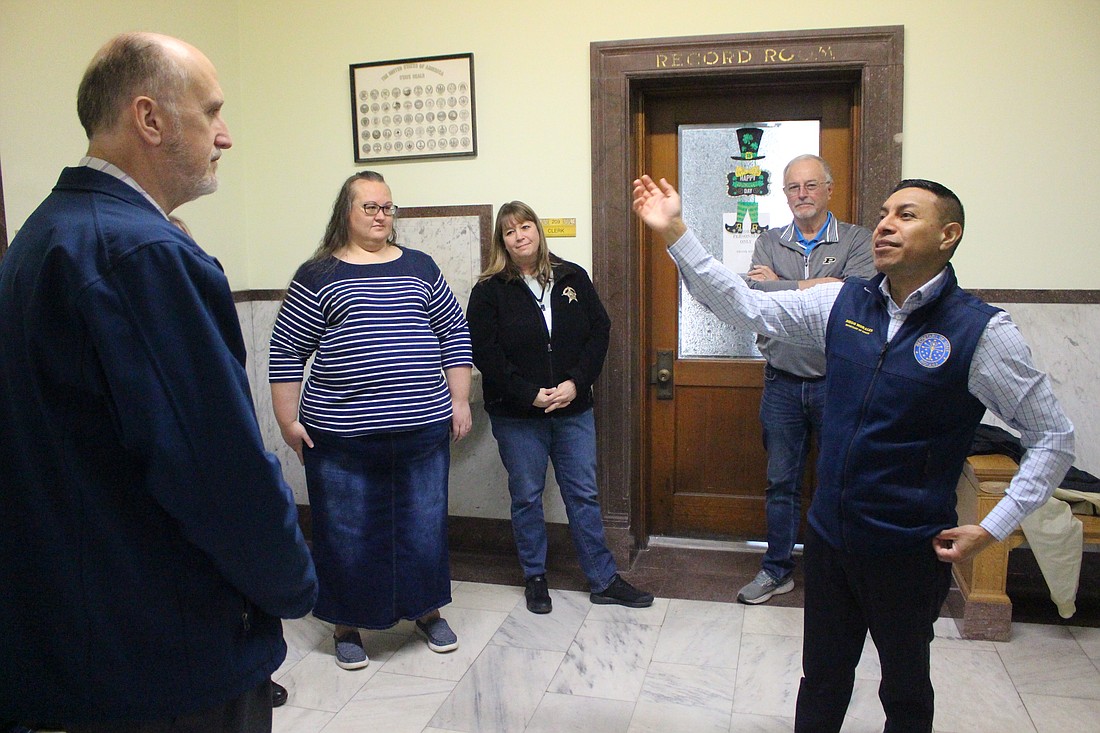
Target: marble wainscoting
{"points": [[478, 481], [1065, 343], [1064, 339]]}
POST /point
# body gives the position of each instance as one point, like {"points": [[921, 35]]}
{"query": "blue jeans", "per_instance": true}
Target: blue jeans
{"points": [[570, 442], [790, 411]]}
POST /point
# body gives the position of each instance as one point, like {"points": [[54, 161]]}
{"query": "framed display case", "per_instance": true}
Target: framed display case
{"points": [[414, 108]]}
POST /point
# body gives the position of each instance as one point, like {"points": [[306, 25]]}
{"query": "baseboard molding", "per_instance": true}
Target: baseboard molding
{"points": [[494, 536]]}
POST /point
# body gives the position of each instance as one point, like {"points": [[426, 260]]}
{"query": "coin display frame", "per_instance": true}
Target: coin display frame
{"points": [[390, 99]]}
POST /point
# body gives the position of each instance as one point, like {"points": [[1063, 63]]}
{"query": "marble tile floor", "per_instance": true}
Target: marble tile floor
{"points": [[682, 665]]}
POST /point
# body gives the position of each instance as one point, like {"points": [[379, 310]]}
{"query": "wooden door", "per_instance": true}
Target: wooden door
{"points": [[706, 472]]}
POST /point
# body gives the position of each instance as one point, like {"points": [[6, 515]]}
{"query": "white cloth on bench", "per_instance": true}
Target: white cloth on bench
{"points": [[1056, 537]]}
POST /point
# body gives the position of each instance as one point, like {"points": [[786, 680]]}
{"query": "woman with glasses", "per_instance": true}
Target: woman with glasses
{"points": [[388, 387], [540, 335]]}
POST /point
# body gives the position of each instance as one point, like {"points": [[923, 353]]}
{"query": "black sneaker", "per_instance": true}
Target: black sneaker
{"points": [[622, 593], [537, 594], [278, 695]]}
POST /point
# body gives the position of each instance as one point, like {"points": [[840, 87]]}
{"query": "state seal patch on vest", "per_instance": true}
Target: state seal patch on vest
{"points": [[932, 350]]}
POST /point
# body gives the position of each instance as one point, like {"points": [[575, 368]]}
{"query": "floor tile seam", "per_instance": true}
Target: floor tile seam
{"points": [[286, 671], [1013, 660], [1067, 676], [383, 670], [637, 702], [1021, 693], [287, 706], [771, 633], [619, 622], [1008, 675], [741, 656], [470, 667], [458, 684], [1027, 712], [650, 647], [589, 696], [513, 645], [693, 666], [573, 643]]}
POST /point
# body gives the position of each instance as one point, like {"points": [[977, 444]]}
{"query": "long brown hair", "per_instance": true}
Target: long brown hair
{"points": [[337, 233], [500, 262]]}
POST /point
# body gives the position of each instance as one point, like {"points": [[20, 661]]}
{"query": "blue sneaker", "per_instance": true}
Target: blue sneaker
{"points": [[439, 635], [349, 651]]}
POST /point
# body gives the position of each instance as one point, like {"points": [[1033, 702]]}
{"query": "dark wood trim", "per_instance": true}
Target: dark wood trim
{"points": [[252, 296], [1067, 297], [622, 72], [495, 537]]}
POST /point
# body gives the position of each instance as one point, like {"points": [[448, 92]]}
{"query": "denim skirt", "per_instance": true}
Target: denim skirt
{"points": [[379, 509]]}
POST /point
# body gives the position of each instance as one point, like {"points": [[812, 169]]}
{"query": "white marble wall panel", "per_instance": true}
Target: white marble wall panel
{"points": [[261, 317], [1065, 342], [1064, 339], [453, 242]]}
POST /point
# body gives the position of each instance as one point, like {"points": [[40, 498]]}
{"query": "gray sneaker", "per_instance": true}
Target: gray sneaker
{"points": [[763, 587], [349, 651]]}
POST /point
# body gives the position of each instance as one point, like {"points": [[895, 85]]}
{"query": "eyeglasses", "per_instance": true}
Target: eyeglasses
{"points": [[792, 189], [372, 209]]}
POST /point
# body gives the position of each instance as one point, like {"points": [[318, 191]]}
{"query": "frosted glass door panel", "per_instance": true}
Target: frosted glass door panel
{"points": [[731, 182]]}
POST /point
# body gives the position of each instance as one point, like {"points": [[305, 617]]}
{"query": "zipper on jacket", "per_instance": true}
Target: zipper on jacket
{"points": [[542, 320], [848, 453]]}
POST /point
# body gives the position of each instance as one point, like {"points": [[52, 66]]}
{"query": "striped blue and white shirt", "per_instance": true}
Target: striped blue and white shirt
{"points": [[383, 334]]}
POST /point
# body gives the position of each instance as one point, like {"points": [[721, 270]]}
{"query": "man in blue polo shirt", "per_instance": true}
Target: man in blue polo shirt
{"points": [[815, 248]]}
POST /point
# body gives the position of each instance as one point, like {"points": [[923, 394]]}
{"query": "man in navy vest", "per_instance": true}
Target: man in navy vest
{"points": [[912, 363]]}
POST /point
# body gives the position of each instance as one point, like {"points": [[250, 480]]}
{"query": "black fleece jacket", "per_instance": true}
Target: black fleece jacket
{"points": [[515, 354]]}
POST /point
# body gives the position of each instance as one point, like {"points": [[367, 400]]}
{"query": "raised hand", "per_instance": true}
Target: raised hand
{"points": [[658, 205]]}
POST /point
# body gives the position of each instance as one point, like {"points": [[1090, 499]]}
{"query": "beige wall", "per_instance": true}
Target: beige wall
{"points": [[44, 49], [997, 97]]}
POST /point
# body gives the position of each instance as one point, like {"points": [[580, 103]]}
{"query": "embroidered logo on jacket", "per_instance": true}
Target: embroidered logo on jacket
{"points": [[856, 326], [571, 294], [932, 350]]}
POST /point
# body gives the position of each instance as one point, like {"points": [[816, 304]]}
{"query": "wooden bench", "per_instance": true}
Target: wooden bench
{"points": [[987, 610]]}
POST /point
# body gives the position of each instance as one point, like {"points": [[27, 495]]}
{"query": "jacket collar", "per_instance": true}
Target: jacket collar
{"points": [[85, 178], [943, 287]]}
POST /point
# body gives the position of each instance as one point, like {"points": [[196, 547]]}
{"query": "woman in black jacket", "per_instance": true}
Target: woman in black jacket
{"points": [[539, 336]]}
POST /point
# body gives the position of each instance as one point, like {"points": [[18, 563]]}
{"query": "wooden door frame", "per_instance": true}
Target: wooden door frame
{"points": [[621, 72]]}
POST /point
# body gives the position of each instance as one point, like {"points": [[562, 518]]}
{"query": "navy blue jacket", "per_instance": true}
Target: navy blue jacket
{"points": [[515, 354], [148, 544], [900, 417]]}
